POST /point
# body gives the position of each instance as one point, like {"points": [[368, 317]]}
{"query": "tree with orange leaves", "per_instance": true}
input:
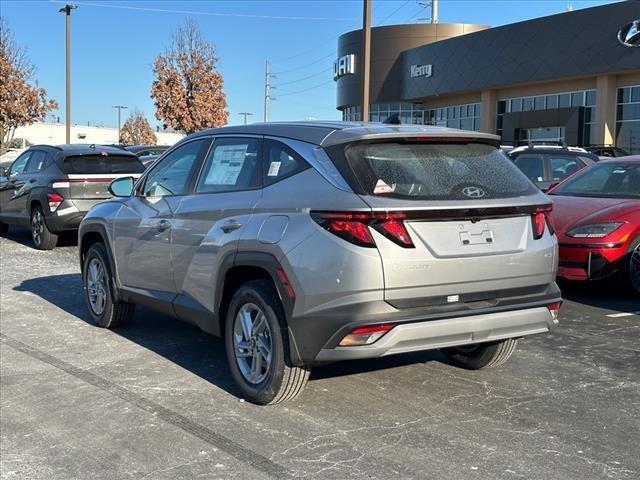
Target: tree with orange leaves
{"points": [[188, 89], [20, 102], [137, 131]]}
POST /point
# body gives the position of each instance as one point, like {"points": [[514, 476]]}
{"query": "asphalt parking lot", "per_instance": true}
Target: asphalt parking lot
{"points": [[155, 399]]}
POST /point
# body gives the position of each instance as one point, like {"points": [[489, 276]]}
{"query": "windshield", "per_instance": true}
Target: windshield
{"points": [[614, 180], [434, 171]]}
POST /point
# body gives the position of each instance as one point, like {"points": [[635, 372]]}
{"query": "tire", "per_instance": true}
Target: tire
{"points": [[632, 268], [43, 238], [264, 329], [482, 355], [4, 229], [97, 284]]}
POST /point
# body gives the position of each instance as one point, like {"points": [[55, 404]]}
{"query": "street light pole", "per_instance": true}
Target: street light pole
{"points": [[245, 115], [119, 107], [366, 58], [67, 28]]}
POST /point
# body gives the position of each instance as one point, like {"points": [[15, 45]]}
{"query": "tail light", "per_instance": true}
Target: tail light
{"points": [[540, 218], [354, 226], [365, 335], [554, 309], [54, 199]]}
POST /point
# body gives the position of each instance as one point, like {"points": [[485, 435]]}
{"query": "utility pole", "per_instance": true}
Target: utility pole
{"points": [[119, 107], [434, 11], [267, 89], [245, 115], [67, 28], [366, 58]]}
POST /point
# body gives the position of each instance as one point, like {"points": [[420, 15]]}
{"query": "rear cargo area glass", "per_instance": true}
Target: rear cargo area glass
{"points": [[434, 171], [102, 165]]}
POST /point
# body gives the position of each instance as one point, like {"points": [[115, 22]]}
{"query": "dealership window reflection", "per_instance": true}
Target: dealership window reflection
{"points": [[628, 119]]}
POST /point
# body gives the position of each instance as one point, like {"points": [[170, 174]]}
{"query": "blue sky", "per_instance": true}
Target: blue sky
{"points": [[114, 45]]}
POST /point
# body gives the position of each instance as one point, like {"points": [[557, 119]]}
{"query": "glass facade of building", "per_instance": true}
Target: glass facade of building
{"points": [[628, 119], [465, 117], [583, 98]]}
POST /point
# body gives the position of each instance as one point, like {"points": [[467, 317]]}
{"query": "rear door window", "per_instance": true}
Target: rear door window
{"points": [[102, 164], [38, 161], [231, 165], [435, 171], [531, 165]]}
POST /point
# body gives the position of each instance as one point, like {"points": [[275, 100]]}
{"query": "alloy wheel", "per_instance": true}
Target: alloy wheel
{"points": [[96, 286], [634, 268], [252, 343], [37, 227]]}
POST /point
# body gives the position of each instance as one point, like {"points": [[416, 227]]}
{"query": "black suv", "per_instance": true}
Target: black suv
{"points": [[49, 189], [546, 165]]}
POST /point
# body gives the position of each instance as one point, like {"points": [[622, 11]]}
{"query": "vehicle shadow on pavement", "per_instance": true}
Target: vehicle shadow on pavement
{"points": [[23, 237], [185, 345], [604, 294]]}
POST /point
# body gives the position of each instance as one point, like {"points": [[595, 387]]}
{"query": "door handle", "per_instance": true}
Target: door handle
{"points": [[231, 226], [33, 180], [163, 225]]}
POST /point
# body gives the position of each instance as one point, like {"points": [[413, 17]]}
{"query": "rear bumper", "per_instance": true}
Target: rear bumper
{"points": [[315, 338], [450, 332], [69, 214], [590, 263]]}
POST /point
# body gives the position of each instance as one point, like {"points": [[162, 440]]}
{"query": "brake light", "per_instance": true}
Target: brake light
{"points": [[354, 226], [366, 335], [540, 218], [54, 199], [554, 309]]}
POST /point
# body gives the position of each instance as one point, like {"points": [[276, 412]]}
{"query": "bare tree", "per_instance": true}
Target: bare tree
{"points": [[137, 131], [188, 89], [20, 102]]}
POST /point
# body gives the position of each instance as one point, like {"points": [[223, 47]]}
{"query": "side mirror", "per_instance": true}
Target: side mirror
{"points": [[3, 172], [121, 187]]}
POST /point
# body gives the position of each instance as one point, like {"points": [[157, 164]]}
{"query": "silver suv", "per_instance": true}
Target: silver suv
{"points": [[307, 243]]}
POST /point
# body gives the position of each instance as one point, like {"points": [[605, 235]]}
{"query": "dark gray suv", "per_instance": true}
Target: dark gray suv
{"points": [[49, 188], [307, 243]]}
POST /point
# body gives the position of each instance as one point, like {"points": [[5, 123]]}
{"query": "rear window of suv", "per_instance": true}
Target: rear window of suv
{"points": [[430, 171], [102, 164]]}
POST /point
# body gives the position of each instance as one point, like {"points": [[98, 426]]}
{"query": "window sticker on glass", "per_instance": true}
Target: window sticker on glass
{"points": [[226, 164], [382, 187], [274, 168]]}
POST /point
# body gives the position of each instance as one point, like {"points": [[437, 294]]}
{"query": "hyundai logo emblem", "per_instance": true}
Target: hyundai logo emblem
{"points": [[473, 192], [629, 35]]}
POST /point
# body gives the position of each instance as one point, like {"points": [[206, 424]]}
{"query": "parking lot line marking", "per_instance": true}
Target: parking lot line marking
{"points": [[217, 440], [622, 314]]}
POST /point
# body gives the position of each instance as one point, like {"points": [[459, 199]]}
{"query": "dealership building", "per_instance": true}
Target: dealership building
{"points": [[571, 77]]}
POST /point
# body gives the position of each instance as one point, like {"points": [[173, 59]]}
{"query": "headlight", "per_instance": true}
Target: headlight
{"points": [[596, 230]]}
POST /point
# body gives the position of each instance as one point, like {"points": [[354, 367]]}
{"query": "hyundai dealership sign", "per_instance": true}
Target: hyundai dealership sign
{"points": [[421, 71], [345, 65]]}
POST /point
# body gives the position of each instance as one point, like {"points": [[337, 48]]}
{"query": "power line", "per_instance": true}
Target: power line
{"points": [[322, 72], [305, 90], [305, 66], [393, 13], [211, 14]]}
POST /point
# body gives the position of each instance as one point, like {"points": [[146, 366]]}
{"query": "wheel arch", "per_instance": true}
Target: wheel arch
{"points": [[89, 235], [245, 267]]}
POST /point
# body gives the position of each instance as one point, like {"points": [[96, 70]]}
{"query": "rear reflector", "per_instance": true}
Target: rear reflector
{"points": [[554, 309], [354, 226], [54, 199], [284, 280], [366, 335]]}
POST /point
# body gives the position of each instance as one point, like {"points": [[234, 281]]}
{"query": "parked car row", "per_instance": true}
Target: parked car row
{"points": [[313, 242]]}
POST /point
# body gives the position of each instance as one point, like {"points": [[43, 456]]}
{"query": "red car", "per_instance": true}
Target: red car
{"points": [[596, 213]]}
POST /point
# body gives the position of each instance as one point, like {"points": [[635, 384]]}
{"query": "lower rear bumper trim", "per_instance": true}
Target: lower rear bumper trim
{"points": [[435, 334]]}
